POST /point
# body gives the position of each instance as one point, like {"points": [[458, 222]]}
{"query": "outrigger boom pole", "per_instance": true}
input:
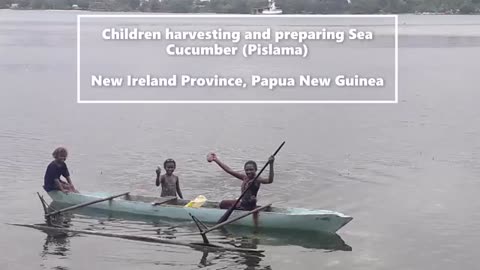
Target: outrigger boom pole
{"points": [[85, 204]]}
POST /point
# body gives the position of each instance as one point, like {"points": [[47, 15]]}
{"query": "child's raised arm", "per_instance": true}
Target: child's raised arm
{"points": [[178, 189], [226, 168], [158, 171], [271, 173]]}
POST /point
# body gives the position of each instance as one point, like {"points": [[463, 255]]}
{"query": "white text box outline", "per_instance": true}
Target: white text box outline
{"points": [[395, 101]]}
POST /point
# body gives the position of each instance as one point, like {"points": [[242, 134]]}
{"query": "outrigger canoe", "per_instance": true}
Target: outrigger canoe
{"points": [[271, 218]]}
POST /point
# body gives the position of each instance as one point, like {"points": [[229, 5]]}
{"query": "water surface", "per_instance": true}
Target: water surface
{"points": [[407, 172]]}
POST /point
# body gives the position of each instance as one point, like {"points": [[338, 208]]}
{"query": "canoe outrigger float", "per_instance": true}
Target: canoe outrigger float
{"points": [[48, 229], [268, 218]]}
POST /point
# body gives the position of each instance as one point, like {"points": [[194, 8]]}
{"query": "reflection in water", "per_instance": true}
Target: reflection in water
{"points": [[57, 240], [249, 260], [309, 240], [434, 41], [252, 262], [235, 236], [56, 244], [203, 261]]}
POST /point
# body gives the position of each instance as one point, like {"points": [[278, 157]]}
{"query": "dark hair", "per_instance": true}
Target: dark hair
{"points": [[169, 161], [250, 162], [60, 151]]}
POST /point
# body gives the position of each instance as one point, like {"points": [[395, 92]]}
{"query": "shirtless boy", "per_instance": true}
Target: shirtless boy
{"points": [[169, 182]]}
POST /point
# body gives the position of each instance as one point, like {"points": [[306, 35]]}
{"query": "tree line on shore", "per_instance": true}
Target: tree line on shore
{"points": [[247, 6]]}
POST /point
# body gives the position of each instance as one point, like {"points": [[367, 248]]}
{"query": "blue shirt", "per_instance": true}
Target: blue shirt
{"points": [[54, 171]]}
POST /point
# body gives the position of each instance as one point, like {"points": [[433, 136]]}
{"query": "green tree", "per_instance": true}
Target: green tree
{"points": [[240, 6], [83, 4], [176, 6], [24, 3], [154, 5], [365, 6], [252, 4], [5, 3], [134, 4], [38, 4], [467, 8], [290, 6]]}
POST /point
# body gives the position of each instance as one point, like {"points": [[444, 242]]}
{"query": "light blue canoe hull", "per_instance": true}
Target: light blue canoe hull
{"points": [[275, 218]]}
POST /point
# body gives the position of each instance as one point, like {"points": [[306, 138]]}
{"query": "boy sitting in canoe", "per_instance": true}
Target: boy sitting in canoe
{"points": [[169, 181], [249, 200], [58, 168]]}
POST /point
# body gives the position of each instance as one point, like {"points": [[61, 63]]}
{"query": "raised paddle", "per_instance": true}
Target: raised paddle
{"points": [[230, 210]]}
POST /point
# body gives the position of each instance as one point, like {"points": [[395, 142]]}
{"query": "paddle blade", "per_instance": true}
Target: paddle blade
{"points": [[226, 215], [197, 202]]}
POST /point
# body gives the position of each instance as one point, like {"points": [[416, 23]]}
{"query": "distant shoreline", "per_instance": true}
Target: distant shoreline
{"points": [[217, 13], [314, 7]]}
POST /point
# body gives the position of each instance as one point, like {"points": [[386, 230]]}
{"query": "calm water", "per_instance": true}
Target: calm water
{"points": [[407, 173]]}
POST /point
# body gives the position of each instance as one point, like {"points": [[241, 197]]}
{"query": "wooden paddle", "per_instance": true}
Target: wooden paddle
{"points": [[230, 210]]}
